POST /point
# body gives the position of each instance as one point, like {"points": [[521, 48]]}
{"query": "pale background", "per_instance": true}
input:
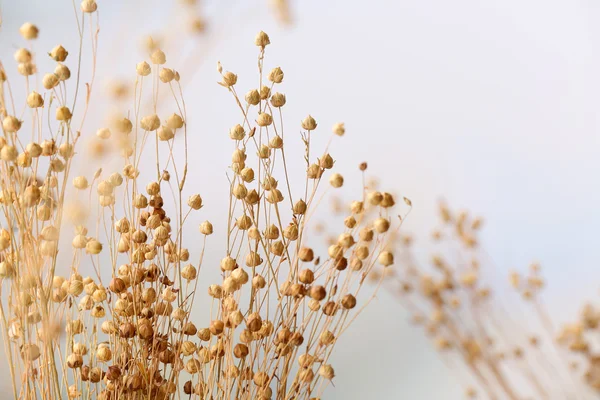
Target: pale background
{"points": [[493, 105]]}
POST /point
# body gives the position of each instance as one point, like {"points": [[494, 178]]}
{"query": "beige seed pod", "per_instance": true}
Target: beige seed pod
{"points": [[339, 129], [262, 39], [229, 79], [326, 162], [309, 123], [50, 81], [34, 150], [276, 142], [252, 97], [25, 69], [22, 55], [195, 202], [264, 119], [166, 75], [240, 191], [261, 379], [150, 123], [326, 371], [265, 92], [58, 53], [143, 68], [62, 71], [206, 228], [276, 75], [326, 338], [29, 31], [9, 153], [237, 132], [103, 354], [386, 258], [175, 121], [300, 207], [278, 100], [336, 180], [381, 225], [89, 6], [247, 175], [35, 100], [11, 124], [158, 57], [63, 114], [93, 247], [240, 276]]}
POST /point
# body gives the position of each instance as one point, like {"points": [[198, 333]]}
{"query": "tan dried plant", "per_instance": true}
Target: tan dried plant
{"points": [[497, 346], [119, 322]]}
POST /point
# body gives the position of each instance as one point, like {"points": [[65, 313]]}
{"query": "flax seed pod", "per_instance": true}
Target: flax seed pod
{"points": [[278, 100], [29, 31], [229, 79], [309, 123]]}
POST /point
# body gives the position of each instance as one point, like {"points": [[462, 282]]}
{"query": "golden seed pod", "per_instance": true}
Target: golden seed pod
{"points": [[62, 71], [166, 75], [306, 276], [386, 258], [278, 100], [306, 254], [252, 97], [262, 39], [22, 55], [339, 129], [29, 31], [240, 191], [258, 282], [326, 371], [206, 228], [50, 81], [195, 202], [276, 75], [326, 162], [25, 69], [11, 124], [229, 79], [93, 247], [10, 153], [300, 207], [150, 122], [381, 225], [237, 132], [309, 123], [63, 114], [175, 121], [143, 68], [326, 338], [276, 142], [158, 57], [103, 354], [59, 53], [264, 119], [240, 276], [89, 6], [261, 379], [336, 180]]}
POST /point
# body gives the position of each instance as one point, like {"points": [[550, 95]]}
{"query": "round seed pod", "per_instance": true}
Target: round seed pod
{"points": [[35, 100], [262, 39], [309, 123], [29, 31]]}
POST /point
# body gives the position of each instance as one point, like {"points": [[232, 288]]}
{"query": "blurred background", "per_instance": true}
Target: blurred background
{"points": [[491, 105]]}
